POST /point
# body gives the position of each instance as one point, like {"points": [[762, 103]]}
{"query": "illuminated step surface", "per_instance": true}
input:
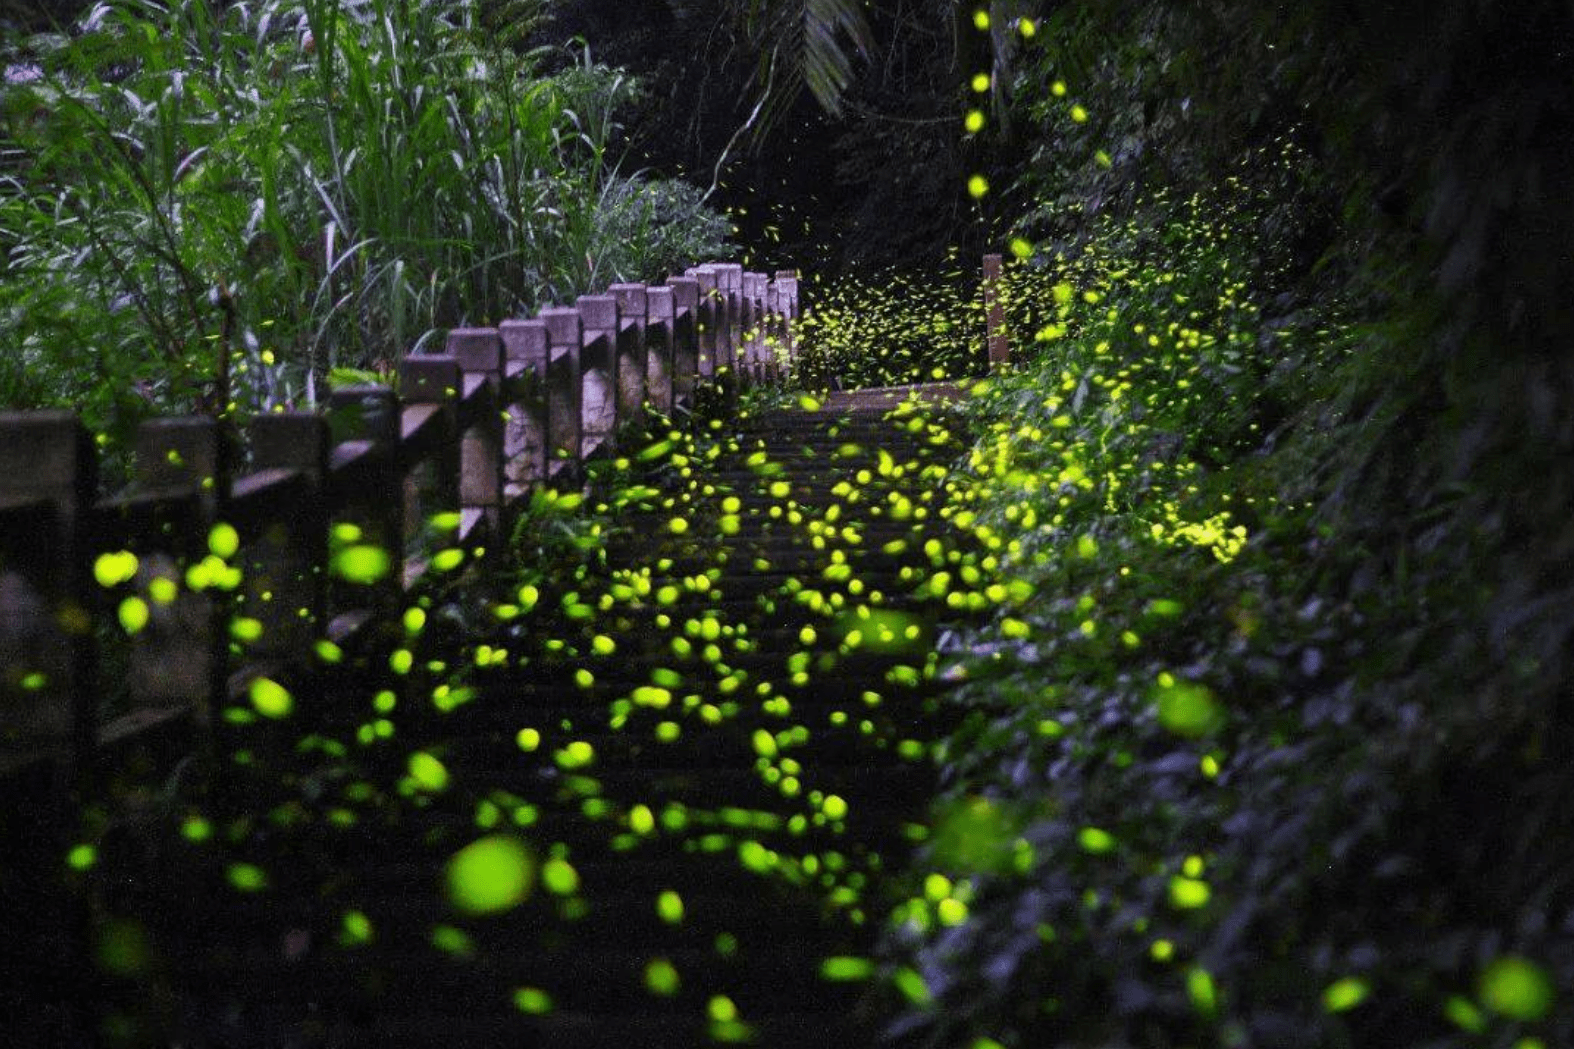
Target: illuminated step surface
{"points": [[682, 809]]}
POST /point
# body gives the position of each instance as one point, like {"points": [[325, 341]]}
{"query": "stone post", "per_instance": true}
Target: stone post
{"points": [[659, 357], [527, 425], [709, 319], [633, 350], [565, 389], [597, 364], [685, 339], [787, 291]]}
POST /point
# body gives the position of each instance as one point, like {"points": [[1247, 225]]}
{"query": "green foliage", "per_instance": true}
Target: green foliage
{"points": [[205, 206], [804, 43], [1263, 706]]}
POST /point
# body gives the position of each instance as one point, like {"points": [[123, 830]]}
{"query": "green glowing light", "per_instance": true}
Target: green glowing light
{"points": [[661, 977], [223, 540], [559, 877], [355, 928], [1516, 987], [114, 568], [122, 948], [452, 941], [245, 629], [428, 773], [576, 755], [247, 877], [1202, 991], [1345, 994], [491, 875], [133, 615], [532, 1001], [1462, 1013], [361, 564], [846, 968], [271, 699], [1189, 893], [1095, 840], [912, 987], [1186, 708]]}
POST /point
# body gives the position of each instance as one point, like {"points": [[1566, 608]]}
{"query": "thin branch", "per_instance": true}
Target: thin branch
{"points": [[721, 160]]}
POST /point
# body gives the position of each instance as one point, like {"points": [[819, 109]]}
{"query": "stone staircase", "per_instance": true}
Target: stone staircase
{"points": [[640, 804]]}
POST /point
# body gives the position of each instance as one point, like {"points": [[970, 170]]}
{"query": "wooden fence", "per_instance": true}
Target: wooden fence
{"points": [[231, 564]]}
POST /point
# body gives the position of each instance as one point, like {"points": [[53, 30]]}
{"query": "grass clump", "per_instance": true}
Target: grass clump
{"points": [[207, 207]]}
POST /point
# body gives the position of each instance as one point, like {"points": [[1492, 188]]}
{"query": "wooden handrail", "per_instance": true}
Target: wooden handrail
{"points": [[213, 574]]}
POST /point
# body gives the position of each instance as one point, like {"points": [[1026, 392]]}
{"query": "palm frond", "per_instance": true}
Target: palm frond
{"points": [[803, 44]]}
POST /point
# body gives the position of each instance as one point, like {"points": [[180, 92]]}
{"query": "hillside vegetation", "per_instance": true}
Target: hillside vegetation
{"points": [[1276, 751]]}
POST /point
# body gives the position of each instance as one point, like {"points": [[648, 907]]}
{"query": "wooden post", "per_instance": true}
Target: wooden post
{"points": [[366, 481], [565, 387], [180, 659], [995, 315], [48, 475], [479, 352], [597, 363], [685, 339], [431, 456], [659, 361], [285, 560], [527, 424]]}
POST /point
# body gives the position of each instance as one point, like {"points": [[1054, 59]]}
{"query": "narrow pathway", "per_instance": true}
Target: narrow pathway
{"points": [[653, 807]]}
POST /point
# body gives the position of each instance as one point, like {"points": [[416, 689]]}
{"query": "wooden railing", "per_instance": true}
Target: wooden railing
{"points": [[231, 565]]}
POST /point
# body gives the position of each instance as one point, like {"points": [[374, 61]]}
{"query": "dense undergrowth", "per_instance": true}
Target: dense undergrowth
{"points": [[208, 206], [1220, 778], [1274, 753]]}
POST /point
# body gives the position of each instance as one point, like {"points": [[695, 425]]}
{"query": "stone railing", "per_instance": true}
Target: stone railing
{"points": [[235, 564]]}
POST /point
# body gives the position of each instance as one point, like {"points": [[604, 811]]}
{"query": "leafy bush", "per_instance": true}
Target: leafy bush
{"points": [[205, 205]]}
